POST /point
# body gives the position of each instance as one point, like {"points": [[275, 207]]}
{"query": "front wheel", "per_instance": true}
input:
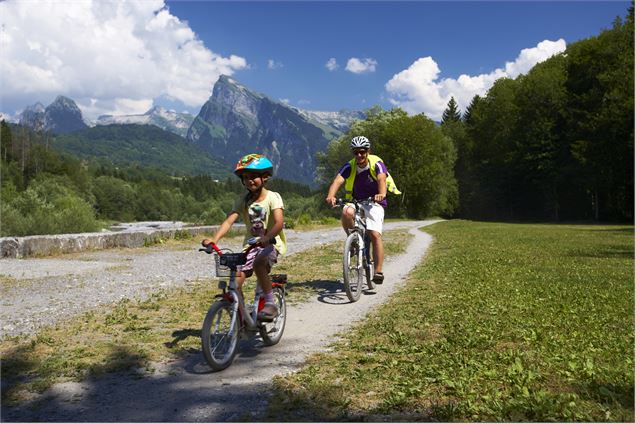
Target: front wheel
{"points": [[369, 265], [352, 267], [271, 332], [219, 336]]}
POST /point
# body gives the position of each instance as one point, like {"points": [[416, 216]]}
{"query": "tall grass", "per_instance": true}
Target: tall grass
{"points": [[501, 322]]}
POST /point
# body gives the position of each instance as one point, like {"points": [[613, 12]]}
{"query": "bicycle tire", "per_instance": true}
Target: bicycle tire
{"points": [[351, 268], [271, 332], [369, 267], [218, 338]]}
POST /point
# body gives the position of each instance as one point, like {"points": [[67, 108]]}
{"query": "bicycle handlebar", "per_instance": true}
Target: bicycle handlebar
{"points": [[341, 202], [253, 242]]}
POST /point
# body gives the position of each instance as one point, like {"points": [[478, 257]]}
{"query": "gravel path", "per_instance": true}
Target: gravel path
{"points": [[47, 290]]}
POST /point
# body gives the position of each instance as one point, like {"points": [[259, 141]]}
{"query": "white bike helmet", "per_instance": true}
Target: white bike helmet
{"points": [[360, 142]]}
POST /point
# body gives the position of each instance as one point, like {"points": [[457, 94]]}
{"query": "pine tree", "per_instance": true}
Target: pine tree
{"points": [[451, 113]]}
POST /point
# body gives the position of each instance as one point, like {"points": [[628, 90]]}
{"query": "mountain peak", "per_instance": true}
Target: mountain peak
{"points": [[62, 102], [63, 116], [236, 120]]}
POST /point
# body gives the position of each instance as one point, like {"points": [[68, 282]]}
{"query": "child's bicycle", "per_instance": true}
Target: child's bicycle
{"points": [[229, 317], [358, 255]]}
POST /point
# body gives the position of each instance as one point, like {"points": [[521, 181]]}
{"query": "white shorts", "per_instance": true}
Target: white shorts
{"points": [[374, 216]]}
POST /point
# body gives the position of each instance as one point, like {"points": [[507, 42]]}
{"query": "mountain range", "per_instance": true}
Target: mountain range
{"points": [[172, 121], [234, 121], [62, 116]]}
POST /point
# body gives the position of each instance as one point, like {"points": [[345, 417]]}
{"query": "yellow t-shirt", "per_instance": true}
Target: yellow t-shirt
{"points": [[259, 216]]}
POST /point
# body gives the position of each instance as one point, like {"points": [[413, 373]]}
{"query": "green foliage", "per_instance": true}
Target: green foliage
{"points": [[418, 156], [556, 143], [501, 322], [47, 207], [147, 145], [113, 198], [451, 113]]}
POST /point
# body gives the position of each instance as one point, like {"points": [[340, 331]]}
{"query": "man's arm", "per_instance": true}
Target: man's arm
{"points": [[335, 185], [381, 186]]}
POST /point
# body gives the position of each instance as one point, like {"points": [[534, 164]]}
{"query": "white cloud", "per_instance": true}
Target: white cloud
{"points": [[356, 65], [106, 55], [273, 65], [418, 89], [331, 64]]}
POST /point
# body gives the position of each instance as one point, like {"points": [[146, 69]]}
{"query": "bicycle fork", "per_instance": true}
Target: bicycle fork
{"points": [[361, 249]]}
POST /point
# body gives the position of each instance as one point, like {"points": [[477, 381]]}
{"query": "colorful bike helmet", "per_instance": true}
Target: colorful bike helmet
{"points": [[253, 163], [360, 142]]}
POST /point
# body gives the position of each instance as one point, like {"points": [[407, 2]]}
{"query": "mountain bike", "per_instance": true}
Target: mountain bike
{"points": [[229, 319], [357, 260]]}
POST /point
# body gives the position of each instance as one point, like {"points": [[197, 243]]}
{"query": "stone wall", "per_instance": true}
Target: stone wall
{"points": [[44, 245]]}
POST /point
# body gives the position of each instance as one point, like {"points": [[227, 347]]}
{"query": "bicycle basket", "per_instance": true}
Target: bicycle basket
{"points": [[227, 261], [221, 270]]}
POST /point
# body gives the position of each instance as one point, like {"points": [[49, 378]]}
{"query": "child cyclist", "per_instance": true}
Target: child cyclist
{"points": [[263, 213]]}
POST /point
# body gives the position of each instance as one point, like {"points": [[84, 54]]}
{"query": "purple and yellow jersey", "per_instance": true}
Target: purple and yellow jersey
{"points": [[364, 185]]}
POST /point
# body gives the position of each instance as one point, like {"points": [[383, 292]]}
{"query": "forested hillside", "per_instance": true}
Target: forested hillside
{"points": [[146, 145]]}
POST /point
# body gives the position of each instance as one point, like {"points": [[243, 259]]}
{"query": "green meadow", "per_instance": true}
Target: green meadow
{"points": [[499, 322]]}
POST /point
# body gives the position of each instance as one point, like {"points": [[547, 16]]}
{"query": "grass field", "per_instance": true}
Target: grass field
{"points": [[500, 322]]}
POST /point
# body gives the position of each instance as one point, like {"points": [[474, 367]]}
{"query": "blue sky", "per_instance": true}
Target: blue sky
{"points": [[125, 57]]}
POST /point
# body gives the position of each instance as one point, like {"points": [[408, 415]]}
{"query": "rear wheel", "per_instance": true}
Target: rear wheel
{"points": [[271, 332], [219, 336], [352, 267]]}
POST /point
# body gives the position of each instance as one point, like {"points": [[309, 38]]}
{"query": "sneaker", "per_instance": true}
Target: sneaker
{"points": [[378, 278], [268, 312]]}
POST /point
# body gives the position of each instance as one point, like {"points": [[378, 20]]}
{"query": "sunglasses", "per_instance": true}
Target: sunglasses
{"points": [[359, 152], [250, 176]]}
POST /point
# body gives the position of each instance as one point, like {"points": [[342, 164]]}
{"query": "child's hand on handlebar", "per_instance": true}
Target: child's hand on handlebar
{"points": [[332, 201], [207, 241]]}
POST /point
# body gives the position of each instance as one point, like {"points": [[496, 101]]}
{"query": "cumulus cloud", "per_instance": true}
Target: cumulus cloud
{"points": [[356, 65], [109, 56], [273, 65], [418, 89], [331, 64]]}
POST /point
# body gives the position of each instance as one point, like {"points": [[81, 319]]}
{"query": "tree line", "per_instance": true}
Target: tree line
{"points": [[555, 144]]}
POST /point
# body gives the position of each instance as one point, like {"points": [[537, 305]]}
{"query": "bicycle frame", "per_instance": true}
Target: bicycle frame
{"points": [[249, 320], [360, 227], [230, 293], [357, 245]]}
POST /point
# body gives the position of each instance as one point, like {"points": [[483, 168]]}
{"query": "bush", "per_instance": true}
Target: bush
{"points": [[47, 207]]}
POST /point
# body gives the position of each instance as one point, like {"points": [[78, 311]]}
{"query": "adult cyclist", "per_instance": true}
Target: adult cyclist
{"points": [[365, 176]]}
